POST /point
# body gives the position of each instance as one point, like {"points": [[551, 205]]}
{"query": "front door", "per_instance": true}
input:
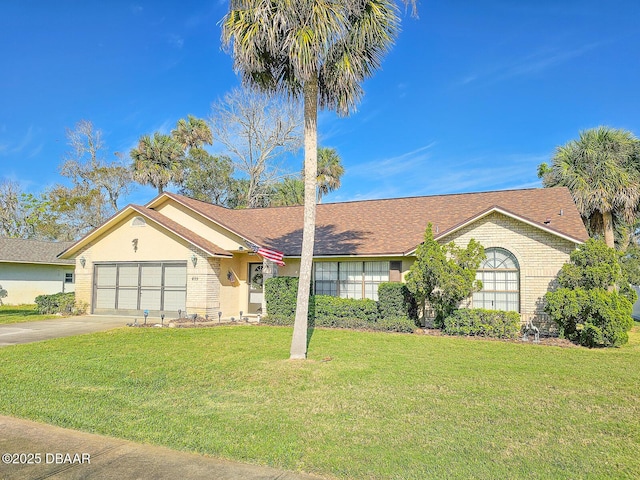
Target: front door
{"points": [[256, 293]]}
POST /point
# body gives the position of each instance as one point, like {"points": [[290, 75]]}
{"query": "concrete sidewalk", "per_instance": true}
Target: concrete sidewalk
{"points": [[69, 454], [16, 333]]}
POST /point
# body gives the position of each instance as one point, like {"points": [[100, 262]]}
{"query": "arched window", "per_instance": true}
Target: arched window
{"points": [[500, 276], [138, 222]]}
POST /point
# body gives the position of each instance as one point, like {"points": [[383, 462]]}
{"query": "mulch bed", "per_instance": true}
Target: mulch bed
{"points": [[186, 322], [544, 340], [202, 322]]}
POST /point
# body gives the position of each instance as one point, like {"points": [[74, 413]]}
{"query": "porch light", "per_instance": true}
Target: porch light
{"points": [[230, 275], [83, 262], [194, 259]]}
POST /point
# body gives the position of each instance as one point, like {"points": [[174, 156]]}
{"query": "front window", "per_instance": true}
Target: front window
{"points": [[350, 279], [500, 276]]}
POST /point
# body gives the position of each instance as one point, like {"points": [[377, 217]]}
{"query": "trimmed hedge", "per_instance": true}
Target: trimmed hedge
{"points": [[281, 294], [57, 303], [401, 324], [326, 308], [483, 323], [335, 312], [395, 300]]}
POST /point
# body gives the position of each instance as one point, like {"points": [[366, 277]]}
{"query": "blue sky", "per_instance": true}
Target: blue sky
{"points": [[474, 95]]}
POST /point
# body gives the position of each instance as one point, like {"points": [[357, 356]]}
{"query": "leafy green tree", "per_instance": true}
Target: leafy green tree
{"points": [[320, 52], [157, 161], [587, 307], [207, 177], [330, 171], [442, 276], [3, 294], [602, 170]]}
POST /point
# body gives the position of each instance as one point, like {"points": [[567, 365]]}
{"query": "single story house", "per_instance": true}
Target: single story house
{"points": [[177, 253], [29, 268]]}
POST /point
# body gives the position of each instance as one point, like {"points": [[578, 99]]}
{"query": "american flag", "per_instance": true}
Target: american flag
{"points": [[273, 255]]}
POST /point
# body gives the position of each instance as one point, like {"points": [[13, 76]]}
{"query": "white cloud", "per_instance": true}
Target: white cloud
{"points": [[533, 63], [393, 166]]}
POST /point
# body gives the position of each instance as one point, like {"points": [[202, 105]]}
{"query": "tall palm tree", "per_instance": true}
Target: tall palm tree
{"points": [[319, 51], [192, 133], [157, 161], [602, 170], [288, 192], [330, 170]]}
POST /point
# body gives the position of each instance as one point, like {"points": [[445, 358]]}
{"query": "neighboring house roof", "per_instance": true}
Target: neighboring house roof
{"points": [[159, 219], [393, 226], [19, 250]]}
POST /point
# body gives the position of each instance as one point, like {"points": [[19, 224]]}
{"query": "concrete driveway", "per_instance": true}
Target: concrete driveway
{"points": [[16, 333]]}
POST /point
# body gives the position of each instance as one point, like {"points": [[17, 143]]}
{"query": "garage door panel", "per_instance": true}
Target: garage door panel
{"points": [[128, 276], [106, 275], [174, 300], [151, 276], [130, 287], [106, 298], [150, 299], [175, 276], [128, 298]]}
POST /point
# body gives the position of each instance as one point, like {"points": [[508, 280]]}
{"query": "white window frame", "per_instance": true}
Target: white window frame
{"points": [[350, 279], [501, 281]]}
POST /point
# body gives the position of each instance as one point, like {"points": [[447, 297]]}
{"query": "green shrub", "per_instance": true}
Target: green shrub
{"points": [[394, 324], [483, 323], [281, 294], [278, 321], [594, 318], [340, 322], [64, 303], [395, 300], [326, 307], [332, 312], [444, 275]]}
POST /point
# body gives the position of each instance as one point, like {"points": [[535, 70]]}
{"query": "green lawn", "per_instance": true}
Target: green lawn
{"points": [[21, 313], [365, 405]]}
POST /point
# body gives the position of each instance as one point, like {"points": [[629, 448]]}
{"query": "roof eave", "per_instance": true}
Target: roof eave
{"points": [[507, 213]]}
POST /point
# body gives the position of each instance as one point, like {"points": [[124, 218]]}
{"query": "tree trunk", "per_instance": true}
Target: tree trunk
{"points": [[299, 341], [607, 220]]}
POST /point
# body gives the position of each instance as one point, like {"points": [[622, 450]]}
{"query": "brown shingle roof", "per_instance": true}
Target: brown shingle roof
{"points": [[394, 226], [18, 250]]}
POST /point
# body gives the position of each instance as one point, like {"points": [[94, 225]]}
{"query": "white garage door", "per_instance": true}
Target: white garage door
{"points": [[129, 288]]}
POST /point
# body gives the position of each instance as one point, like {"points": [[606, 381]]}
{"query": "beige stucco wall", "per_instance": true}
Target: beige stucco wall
{"points": [[154, 244], [539, 254], [25, 281], [200, 225]]}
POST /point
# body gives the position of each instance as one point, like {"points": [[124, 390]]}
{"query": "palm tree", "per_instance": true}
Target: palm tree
{"points": [[157, 161], [288, 192], [320, 52], [602, 171], [330, 170], [192, 133]]}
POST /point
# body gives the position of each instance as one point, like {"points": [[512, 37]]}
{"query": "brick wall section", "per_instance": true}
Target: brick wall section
{"points": [[84, 278], [203, 285], [539, 254]]}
